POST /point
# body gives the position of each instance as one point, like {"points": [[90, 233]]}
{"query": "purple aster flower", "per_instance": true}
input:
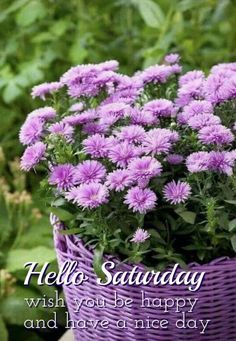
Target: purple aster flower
{"points": [[77, 119], [131, 133], [143, 169], [160, 107], [203, 120], [43, 89], [127, 91], [191, 76], [190, 91], [221, 162], [45, 113], [158, 141], [31, 131], [98, 145], [140, 236], [172, 58], [176, 68], [82, 80], [197, 162], [32, 156], [196, 107], [63, 129], [118, 180], [223, 66], [76, 107], [140, 200], [216, 134], [90, 171], [88, 195], [62, 176], [174, 159], [118, 109], [109, 65], [156, 74], [214, 87], [121, 154], [228, 89], [92, 128], [144, 118], [176, 192]]}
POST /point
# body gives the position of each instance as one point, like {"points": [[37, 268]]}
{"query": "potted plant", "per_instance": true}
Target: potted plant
{"points": [[140, 169]]}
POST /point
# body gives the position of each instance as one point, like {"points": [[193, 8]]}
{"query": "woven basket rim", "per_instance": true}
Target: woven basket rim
{"points": [[79, 245]]}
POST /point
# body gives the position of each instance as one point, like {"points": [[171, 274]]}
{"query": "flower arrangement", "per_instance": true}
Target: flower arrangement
{"points": [[140, 166]]}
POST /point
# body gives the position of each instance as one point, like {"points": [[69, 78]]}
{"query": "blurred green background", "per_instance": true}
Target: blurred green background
{"points": [[40, 39]]}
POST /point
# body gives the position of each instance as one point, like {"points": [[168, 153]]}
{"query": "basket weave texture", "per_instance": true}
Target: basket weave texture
{"points": [[216, 300]]}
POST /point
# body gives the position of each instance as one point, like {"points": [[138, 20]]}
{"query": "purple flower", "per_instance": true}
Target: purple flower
{"points": [[118, 109], [82, 80], [127, 91], [140, 200], [45, 113], [174, 159], [176, 192], [91, 128], [88, 195], [143, 117], [118, 180], [158, 141], [197, 162], [97, 145], [160, 107], [216, 134], [31, 131], [195, 108], [190, 91], [140, 236], [215, 91], [63, 129], [76, 107], [63, 176], [131, 133], [77, 119], [221, 162], [143, 169], [172, 58], [89, 171], [191, 76], [156, 74], [203, 120], [43, 89], [121, 154], [32, 156]]}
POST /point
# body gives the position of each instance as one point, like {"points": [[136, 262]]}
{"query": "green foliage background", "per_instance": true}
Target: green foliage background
{"points": [[40, 39]]}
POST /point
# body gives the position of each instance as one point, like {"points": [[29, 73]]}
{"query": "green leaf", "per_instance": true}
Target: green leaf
{"points": [[61, 214], [232, 224], [233, 202], [233, 242], [187, 216], [11, 91], [17, 258], [14, 308], [3, 330], [98, 261], [151, 13], [5, 225], [70, 231], [30, 13], [12, 8]]}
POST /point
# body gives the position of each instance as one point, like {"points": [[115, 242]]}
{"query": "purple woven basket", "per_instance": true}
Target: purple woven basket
{"points": [[216, 300]]}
